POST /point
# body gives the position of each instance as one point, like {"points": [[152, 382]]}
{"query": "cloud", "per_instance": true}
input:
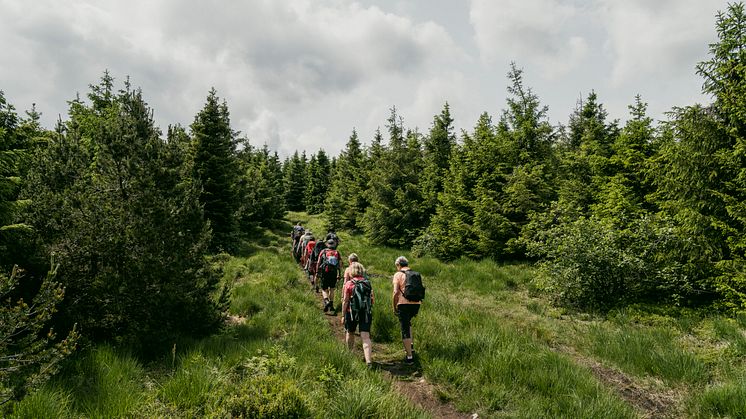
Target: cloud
{"points": [[535, 33], [285, 68], [657, 39]]}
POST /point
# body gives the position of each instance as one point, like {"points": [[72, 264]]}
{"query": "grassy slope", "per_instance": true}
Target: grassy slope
{"points": [[486, 343]]}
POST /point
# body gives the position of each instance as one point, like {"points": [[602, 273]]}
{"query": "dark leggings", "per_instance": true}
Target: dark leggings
{"points": [[406, 313]]}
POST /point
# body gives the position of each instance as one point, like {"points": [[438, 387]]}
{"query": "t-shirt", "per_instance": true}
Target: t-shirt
{"points": [[347, 292]]}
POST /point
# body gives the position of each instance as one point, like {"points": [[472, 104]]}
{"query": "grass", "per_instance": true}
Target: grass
{"points": [[485, 340]]}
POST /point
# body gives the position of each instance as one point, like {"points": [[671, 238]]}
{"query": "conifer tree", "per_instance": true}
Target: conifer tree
{"points": [[215, 166], [295, 183], [437, 153], [395, 212], [345, 202], [126, 225], [318, 177]]}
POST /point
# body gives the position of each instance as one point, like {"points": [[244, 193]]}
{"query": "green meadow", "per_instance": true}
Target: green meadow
{"points": [[487, 343]]}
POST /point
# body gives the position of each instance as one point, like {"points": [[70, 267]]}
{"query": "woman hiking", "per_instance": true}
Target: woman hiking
{"points": [[357, 306]]}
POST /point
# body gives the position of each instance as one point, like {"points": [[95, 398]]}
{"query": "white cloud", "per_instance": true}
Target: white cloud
{"points": [[285, 68], [657, 39], [534, 33]]}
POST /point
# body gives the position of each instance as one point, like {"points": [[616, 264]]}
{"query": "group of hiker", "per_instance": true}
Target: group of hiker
{"points": [[322, 263]]}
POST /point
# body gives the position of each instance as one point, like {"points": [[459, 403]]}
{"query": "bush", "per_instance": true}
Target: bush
{"points": [[264, 396], [592, 265]]}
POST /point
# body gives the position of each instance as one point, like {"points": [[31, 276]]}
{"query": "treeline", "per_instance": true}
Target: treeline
{"points": [[114, 226], [615, 213]]}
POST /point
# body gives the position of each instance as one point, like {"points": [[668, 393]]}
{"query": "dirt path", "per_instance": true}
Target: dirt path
{"points": [[648, 402], [407, 379]]}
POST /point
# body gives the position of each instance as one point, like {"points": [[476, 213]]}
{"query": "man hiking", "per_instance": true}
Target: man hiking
{"points": [[357, 308], [332, 235], [328, 270], [407, 297]]}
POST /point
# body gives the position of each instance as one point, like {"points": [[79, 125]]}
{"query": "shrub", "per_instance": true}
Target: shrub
{"points": [[592, 264]]}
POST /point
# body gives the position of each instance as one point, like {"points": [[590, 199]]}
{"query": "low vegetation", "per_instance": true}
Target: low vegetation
{"points": [[486, 342]]}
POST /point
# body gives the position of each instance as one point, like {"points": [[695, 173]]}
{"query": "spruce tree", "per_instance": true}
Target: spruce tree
{"points": [[215, 167], [112, 202]]}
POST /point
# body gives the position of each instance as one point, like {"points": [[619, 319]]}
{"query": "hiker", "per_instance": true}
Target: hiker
{"points": [[308, 266], [332, 235], [295, 235], [407, 282], [327, 273], [348, 272], [313, 259], [302, 243], [357, 308]]}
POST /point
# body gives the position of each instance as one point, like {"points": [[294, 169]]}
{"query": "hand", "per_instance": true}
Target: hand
{"points": [[342, 320]]}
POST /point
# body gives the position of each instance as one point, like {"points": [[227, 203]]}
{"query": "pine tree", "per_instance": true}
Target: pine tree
{"points": [[318, 178], [295, 182], [345, 202], [438, 146], [215, 166], [111, 200]]}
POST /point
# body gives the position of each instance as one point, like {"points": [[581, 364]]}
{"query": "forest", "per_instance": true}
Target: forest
{"points": [[116, 233]]}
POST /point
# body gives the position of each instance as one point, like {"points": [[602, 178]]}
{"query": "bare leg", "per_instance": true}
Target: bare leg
{"points": [[350, 339], [365, 336], [408, 346]]}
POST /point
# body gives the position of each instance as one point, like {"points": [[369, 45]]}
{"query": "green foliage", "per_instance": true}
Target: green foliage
{"points": [[295, 182], [590, 264], [318, 178], [215, 166], [261, 188], [29, 351], [346, 200], [113, 201], [395, 215]]}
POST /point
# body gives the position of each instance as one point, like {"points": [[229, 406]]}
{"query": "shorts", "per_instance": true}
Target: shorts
{"points": [[328, 279], [351, 325], [406, 313]]}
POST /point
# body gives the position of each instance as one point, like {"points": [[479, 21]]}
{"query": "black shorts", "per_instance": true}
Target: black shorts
{"points": [[351, 325], [406, 313], [328, 280]]}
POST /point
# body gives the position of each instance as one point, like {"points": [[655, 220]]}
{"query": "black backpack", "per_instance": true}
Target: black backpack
{"points": [[413, 288], [361, 303]]}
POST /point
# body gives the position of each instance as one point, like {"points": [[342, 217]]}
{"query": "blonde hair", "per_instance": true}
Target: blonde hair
{"points": [[352, 257], [357, 269]]}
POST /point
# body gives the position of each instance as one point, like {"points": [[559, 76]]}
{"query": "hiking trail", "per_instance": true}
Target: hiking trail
{"points": [[407, 379]]}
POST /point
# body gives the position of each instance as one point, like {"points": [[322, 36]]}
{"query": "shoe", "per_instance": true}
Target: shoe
{"points": [[369, 365], [326, 306], [408, 360], [317, 289]]}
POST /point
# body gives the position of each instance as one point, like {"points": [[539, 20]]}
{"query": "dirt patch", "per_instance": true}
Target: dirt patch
{"points": [[234, 320], [650, 403]]}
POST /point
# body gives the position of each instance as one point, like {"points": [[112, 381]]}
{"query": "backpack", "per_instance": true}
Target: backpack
{"points": [[413, 288], [361, 303], [329, 261]]}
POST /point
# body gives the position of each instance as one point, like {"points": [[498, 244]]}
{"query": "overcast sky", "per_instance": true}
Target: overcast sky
{"points": [[300, 74]]}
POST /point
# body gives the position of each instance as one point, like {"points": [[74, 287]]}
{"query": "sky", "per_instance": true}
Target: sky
{"points": [[302, 74]]}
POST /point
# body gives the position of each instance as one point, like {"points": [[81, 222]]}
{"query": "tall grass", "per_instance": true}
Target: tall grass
{"points": [[647, 352]]}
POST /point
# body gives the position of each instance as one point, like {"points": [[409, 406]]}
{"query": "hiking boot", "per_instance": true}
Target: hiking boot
{"points": [[369, 365], [408, 360], [326, 305]]}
